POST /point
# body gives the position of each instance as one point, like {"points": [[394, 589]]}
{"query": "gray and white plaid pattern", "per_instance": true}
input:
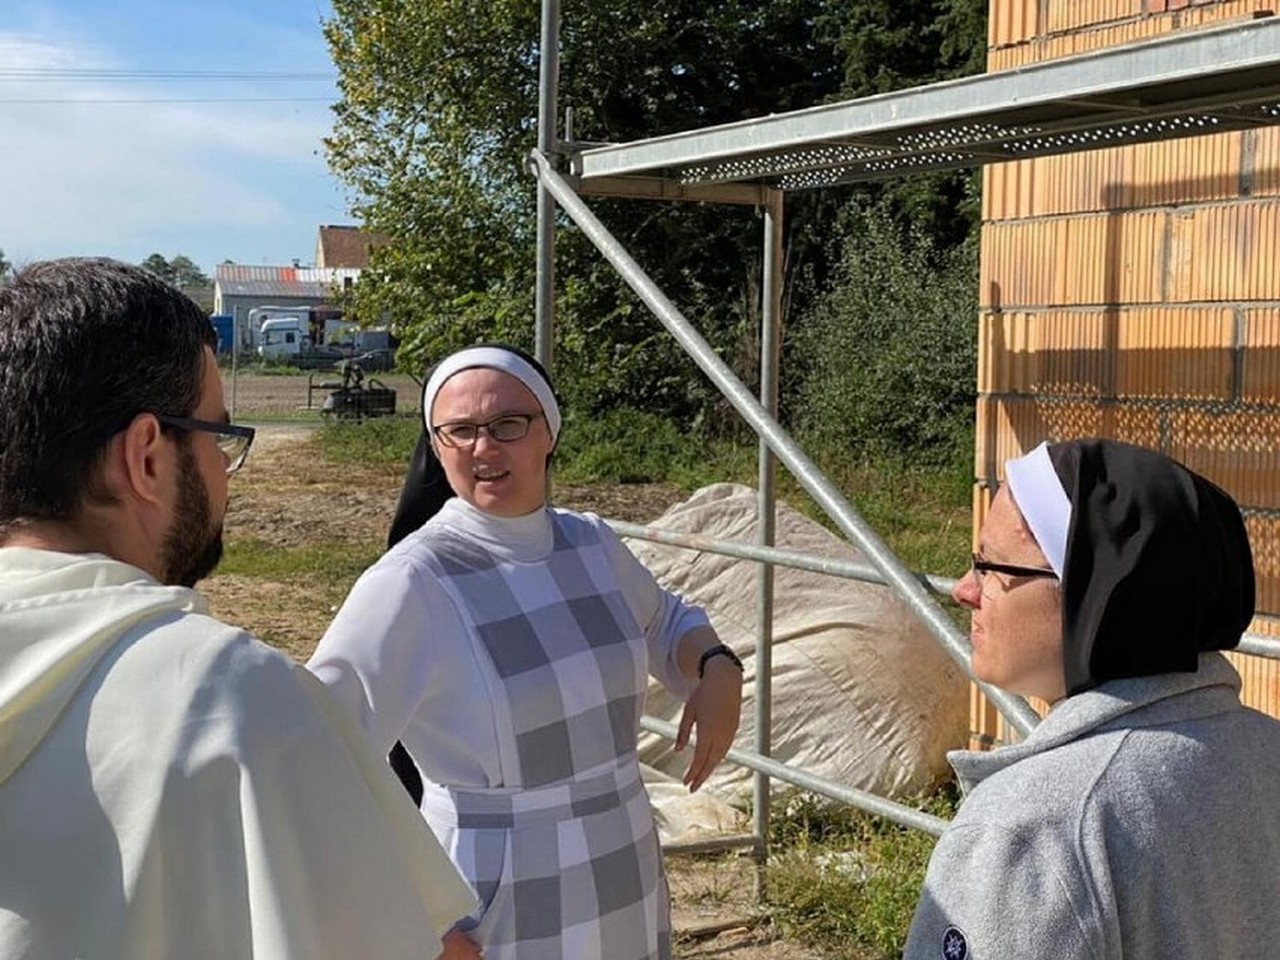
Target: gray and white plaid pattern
{"points": [[559, 879], [565, 859]]}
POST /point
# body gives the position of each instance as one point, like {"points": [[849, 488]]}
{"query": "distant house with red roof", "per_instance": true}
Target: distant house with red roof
{"points": [[341, 253], [237, 289]]}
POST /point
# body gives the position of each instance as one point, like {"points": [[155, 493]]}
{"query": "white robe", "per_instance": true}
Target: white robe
{"points": [[171, 787], [526, 738], [396, 654]]}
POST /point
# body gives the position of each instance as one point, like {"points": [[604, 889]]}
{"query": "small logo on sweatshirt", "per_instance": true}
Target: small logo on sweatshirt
{"points": [[954, 945]]}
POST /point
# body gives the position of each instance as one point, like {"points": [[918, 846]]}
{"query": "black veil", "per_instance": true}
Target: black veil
{"points": [[424, 492], [1158, 567]]}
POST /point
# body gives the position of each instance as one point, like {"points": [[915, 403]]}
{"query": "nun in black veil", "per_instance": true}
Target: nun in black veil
{"points": [[1141, 818]]}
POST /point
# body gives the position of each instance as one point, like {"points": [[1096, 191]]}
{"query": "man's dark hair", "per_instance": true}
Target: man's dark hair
{"points": [[86, 345]]}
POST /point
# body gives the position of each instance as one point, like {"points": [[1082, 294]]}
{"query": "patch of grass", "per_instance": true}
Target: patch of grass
{"points": [[318, 562], [720, 883], [282, 416], [846, 880], [259, 367], [718, 461], [923, 512], [621, 446], [383, 440]]}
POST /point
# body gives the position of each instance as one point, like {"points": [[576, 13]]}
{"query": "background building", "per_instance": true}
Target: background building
{"points": [[238, 289], [345, 246]]}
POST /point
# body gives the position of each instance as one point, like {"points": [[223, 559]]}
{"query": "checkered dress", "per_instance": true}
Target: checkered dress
{"points": [[564, 857]]}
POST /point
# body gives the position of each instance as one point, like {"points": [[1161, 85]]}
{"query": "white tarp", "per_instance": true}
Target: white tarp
{"points": [[862, 693]]}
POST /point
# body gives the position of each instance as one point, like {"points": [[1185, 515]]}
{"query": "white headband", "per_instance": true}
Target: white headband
{"points": [[493, 358], [1039, 495]]}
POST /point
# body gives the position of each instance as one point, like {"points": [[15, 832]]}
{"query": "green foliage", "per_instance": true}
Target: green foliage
{"points": [[428, 134], [269, 367], [384, 440], [921, 510], [183, 273], [623, 446], [437, 115], [890, 45], [845, 881], [891, 346]]}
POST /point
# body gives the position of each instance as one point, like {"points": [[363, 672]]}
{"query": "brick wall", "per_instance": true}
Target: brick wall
{"points": [[1134, 292]]}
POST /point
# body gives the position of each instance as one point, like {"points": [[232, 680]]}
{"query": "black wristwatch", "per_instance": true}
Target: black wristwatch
{"points": [[719, 650]]}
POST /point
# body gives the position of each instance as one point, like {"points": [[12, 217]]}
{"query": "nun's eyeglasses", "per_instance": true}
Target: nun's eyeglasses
{"points": [[505, 429], [981, 566]]}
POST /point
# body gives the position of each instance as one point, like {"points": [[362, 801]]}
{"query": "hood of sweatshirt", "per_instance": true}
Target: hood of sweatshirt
{"points": [[59, 615], [1135, 702]]}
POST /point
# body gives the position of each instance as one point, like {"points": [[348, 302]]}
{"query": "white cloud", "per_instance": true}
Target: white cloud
{"points": [[82, 177]]}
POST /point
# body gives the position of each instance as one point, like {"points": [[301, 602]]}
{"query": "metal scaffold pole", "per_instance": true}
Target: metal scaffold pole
{"points": [[1018, 712], [548, 94], [770, 350]]}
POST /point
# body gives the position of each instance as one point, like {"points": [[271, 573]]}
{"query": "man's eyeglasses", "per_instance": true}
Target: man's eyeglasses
{"points": [[982, 566], [505, 429], [232, 439]]}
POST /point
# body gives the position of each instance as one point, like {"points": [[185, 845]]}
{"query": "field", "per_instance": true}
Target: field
{"points": [[283, 395], [299, 531]]}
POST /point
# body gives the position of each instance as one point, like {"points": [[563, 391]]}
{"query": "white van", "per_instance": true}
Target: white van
{"points": [[283, 337]]}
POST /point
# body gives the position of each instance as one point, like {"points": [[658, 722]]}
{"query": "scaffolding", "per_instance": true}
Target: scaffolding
{"points": [[1202, 82]]}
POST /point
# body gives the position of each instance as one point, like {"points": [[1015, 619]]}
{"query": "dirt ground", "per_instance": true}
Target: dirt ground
{"points": [[287, 497]]}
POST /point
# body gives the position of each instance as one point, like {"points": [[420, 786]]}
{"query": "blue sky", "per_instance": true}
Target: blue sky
{"points": [[213, 180]]}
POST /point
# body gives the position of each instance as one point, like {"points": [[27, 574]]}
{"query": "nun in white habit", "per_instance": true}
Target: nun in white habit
{"points": [[506, 645]]}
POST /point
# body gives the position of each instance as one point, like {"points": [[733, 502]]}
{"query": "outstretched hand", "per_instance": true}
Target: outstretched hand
{"points": [[712, 711]]}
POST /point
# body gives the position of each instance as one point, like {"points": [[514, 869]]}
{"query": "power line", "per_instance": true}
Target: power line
{"points": [[62, 74], [108, 100]]}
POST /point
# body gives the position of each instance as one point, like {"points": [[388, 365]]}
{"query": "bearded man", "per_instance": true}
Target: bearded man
{"points": [[169, 786]]}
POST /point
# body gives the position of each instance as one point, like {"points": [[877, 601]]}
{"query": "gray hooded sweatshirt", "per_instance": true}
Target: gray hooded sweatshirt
{"points": [[170, 787], [1140, 820]]}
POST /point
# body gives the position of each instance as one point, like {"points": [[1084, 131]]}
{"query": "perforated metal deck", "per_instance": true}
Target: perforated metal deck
{"points": [[1200, 82]]}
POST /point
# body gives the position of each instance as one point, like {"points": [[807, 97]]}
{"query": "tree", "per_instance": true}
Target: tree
{"points": [[436, 116], [892, 44], [6, 268], [183, 273], [907, 309], [158, 265]]}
